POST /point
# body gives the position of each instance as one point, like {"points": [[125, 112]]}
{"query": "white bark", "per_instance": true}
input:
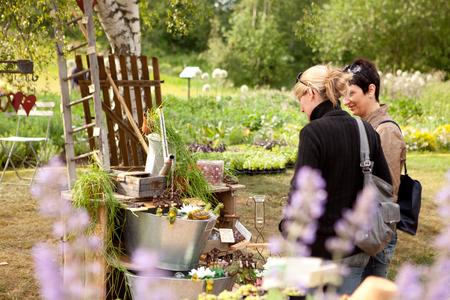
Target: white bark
{"points": [[120, 21]]}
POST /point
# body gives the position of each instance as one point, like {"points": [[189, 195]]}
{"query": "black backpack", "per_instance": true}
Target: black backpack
{"points": [[409, 199]]}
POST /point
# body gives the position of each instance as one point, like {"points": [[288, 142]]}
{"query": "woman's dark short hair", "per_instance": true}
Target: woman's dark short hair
{"points": [[364, 73]]}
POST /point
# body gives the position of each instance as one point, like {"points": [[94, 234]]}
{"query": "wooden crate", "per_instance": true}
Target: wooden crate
{"points": [[139, 184]]}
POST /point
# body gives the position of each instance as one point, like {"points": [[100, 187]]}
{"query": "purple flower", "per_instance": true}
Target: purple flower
{"points": [[439, 280], [147, 286], [275, 245], [354, 223], [48, 272], [409, 283], [306, 205]]}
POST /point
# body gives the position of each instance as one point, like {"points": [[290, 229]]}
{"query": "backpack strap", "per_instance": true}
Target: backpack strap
{"points": [[392, 121], [366, 164]]}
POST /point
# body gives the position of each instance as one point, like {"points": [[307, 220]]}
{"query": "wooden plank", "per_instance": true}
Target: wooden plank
{"points": [[123, 145], [137, 90], [127, 98], [156, 77], [138, 102], [84, 90], [65, 99], [128, 113], [122, 125], [109, 122], [145, 76], [99, 118]]}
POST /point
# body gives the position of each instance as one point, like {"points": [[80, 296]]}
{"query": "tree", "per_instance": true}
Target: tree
{"points": [[254, 53], [397, 34], [121, 23]]}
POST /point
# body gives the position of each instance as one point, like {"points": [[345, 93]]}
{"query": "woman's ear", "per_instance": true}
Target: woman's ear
{"points": [[372, 89]]}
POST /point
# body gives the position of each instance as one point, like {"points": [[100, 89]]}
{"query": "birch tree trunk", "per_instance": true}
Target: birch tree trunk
{"points": [[120, 21]]}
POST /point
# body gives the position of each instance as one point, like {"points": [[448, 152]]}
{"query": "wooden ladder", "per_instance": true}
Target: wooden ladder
{"points": [[86, 25]]}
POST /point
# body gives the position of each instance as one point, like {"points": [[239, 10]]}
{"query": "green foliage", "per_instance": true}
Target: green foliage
{"points": [[27, 29], [31, 127], [94, 191], [187, 177], [259, 115], [254, 54], [405, 109], [175, 26], [253, 158], [407, 34]]}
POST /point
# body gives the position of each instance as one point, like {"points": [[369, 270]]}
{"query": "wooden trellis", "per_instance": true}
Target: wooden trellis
{"points": [[131, 76]]}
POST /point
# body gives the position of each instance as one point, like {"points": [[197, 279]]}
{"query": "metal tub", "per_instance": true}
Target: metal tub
{"points": [[179, 245], [181, 288]]}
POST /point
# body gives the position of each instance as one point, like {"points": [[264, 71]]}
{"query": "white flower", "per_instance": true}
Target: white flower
{"points": [[188, 208], [202, 273], [399, 72], [244, 89], [206, 88], [216, 73], [224, 74], [205, 76]]}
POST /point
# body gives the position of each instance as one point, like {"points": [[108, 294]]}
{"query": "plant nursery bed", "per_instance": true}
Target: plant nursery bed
{"points": [[260, 172]]}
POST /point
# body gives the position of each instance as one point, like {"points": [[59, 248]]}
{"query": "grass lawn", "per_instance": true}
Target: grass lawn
{"points": [[22, 227]]}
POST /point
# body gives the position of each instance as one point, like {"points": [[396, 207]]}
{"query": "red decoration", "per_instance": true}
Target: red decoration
{"points": [[17, 100], [28, 103], [81, 4]]}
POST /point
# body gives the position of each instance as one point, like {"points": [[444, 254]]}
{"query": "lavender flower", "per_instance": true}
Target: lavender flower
{"points": [[146, 284], [48, 272], [71, 282], [439, 280], [301, 214], [409, 283], [353, 224]]}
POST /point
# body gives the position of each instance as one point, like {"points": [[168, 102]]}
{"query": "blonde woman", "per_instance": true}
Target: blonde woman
{"points": [[330, 143]]}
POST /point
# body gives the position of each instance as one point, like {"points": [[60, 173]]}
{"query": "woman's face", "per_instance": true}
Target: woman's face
{"points": [[358, 102]]}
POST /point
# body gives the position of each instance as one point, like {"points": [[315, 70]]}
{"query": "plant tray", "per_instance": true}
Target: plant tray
{"points": [[139, 184], [259, 172]]}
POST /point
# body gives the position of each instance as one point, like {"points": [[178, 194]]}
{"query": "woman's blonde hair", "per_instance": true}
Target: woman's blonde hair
{"points": [[331, 83]]}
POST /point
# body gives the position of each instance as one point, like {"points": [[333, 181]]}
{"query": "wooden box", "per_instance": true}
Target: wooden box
{"points": [[140, 184]]}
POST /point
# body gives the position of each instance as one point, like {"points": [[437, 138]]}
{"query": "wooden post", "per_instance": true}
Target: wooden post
{"points": [[99, 119], [65, 99]]}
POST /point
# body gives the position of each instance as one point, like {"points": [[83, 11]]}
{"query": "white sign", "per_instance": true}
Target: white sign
{"points": [[226, 235], [190, 72], [244, 231]]}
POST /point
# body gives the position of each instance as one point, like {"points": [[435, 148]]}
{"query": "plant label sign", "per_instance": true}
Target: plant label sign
{"points": [[244, 231], [226, 235]]}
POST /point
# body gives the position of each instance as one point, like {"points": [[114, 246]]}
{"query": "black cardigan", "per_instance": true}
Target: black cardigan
{"points": [[330, 143]]}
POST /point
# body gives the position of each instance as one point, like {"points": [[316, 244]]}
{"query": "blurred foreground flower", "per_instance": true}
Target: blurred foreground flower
{"points": [[431, 282], [147, 286], [74, 280], [300, 215], [354, 223]]}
